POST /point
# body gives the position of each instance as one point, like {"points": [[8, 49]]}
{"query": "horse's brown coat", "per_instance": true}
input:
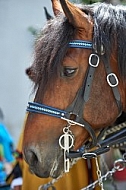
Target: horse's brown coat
{"points": [[40, 146]]}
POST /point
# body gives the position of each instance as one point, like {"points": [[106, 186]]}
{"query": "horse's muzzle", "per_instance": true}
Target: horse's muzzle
{"points": [[43, 165]]}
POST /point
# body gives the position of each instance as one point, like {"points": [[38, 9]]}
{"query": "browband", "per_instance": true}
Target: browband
{"points": [[80, 44]]}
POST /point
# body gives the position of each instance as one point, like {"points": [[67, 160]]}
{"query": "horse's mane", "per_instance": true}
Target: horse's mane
{"points": [[110, 30], [51, 46]]}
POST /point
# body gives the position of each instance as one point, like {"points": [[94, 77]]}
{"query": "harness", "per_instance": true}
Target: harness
{"points": [[78, 104], [76, 108]]}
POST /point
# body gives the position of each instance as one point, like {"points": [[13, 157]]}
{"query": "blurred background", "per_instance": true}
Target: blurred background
{"points": [[19, 21], [16, 47]]}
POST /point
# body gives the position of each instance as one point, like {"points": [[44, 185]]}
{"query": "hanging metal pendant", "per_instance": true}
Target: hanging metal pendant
{"points": [[66, 141]]}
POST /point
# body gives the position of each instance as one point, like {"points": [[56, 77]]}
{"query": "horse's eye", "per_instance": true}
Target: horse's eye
{"points": [[68, 72]]}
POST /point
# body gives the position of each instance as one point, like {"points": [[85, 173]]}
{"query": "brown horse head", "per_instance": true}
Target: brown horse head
{"points": [[68, 77]]}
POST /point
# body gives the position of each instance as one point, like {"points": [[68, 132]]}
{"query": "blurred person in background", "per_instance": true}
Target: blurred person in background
{"points": [[6, 151], [10, 172]]}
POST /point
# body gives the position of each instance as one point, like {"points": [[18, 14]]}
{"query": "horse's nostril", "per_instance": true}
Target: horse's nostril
{"points": [[31, 158]]}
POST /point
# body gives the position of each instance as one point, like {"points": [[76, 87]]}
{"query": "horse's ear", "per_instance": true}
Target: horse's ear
{"points": [[76, 17], [57, 9], [30, 72], [48, 16]]}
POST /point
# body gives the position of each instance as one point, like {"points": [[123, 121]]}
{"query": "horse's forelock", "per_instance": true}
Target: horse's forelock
{"points": [[50, 49]]}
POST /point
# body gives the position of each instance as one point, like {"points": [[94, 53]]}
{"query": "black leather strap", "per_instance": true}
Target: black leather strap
{"points": [[115, 88], [77, 106], [89, 155], [93, 64]]}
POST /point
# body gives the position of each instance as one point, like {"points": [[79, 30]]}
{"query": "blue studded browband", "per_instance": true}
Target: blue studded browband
{"points": [[80, 44]]}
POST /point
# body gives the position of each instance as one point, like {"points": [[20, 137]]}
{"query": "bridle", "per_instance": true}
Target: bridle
{"points": [[77, 106]]}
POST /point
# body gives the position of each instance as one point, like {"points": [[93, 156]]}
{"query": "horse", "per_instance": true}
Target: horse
{"points": [[79, 75]]}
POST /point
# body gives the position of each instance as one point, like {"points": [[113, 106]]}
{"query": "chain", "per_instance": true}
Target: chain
{"points": [[99, 174], [49, 184], [119, 165], [105, 169]]}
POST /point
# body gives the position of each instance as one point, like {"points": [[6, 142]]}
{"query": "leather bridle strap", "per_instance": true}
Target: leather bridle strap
{"points": [[113, 82], [104, 145], [83, 94], [77, 106]]}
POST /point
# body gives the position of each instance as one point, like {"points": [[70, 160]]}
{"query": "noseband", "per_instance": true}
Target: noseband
{"points": [[78, 104]]}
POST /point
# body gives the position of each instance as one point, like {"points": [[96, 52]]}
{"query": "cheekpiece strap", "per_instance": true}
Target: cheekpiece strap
{"points": [[80, 44]]}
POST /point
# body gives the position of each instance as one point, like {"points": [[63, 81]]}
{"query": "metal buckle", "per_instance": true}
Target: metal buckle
{"points": [[112, 80], [94, 62], [89, 155]]}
